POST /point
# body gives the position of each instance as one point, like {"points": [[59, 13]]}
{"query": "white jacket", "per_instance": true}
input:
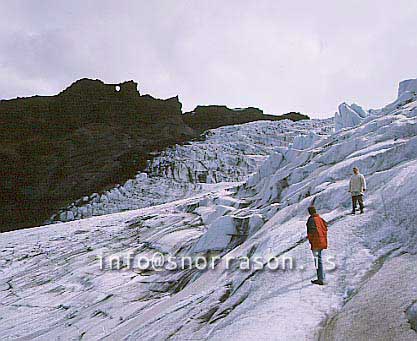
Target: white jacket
{"points": [[357, 184]]}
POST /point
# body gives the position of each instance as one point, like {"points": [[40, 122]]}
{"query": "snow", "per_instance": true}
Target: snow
{"points": [[374, 313], [218, 235], [226, 154], [52, 283], [349, 116], [409, 85], [305, 141], [411, 314]]}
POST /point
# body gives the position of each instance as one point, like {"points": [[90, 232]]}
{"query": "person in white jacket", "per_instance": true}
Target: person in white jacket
{"points": [[357, 186]]}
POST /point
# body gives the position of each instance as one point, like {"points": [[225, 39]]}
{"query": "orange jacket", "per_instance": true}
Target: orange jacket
{"points": [[317, 232]]}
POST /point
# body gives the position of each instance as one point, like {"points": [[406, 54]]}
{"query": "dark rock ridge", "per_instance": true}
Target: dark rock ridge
{"points": [[89, 137], [214, 116]]}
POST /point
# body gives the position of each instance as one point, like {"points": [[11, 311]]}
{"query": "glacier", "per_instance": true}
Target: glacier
{"points": [[226, 154], [53, 285]]}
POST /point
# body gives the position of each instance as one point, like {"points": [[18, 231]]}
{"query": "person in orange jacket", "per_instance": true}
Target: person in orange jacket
{"points": [[317, 236]]}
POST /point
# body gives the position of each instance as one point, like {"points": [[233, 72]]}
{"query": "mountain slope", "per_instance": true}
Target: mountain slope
{"points": [[53, 285], [86, 139], [56, 149]]}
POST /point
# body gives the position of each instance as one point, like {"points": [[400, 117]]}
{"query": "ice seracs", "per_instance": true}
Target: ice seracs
{"points": [[407, 86], [305, 141], [407, 91], [349, 116]]}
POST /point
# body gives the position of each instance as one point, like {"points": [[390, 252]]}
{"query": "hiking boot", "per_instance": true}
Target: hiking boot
{"points": [[317, 281], [353, 212]]}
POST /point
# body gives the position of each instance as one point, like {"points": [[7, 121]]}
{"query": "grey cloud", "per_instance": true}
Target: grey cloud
{"points": [[278, 55]]}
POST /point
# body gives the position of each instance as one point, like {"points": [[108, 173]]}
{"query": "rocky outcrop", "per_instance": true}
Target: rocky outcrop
{"points": [[87, 139], [214, 116], [55, 149]]}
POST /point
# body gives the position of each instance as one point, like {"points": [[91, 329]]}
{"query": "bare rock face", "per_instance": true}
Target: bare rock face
{"points": [[215, 116], [88, 138]]}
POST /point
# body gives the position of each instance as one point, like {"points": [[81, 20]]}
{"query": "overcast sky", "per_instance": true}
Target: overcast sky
{"points": [[280, 56]]}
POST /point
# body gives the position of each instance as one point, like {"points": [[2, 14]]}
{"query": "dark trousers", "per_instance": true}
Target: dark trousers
{"points": [[318, 263], [355, 200]]}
